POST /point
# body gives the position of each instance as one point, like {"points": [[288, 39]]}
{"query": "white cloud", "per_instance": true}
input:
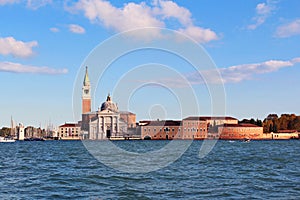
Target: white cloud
{"points": [[74, 28], [131, 16], [54, 29], [246, 71], [4, 2], [288, 30], [238, 73], [199, 34], [233, 74], [11, 46], [35, 4], [140, 15], [32, 4], [169, 9], [19, 68], [263, 11]]}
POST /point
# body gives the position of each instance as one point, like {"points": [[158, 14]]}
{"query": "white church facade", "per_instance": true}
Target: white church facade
{"points": [[105, 123]]}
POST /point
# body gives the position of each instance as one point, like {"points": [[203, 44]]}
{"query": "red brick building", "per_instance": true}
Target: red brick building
{"points": [[240, 131], [129, 118], [194, 128], [161, 130], [190, 128]]}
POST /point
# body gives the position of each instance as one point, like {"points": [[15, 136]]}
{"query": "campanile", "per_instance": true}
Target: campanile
{"points": [[86, 93]]}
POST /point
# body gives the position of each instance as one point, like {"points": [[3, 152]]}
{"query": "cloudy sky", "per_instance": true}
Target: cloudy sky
{"points": [[43, 43]]}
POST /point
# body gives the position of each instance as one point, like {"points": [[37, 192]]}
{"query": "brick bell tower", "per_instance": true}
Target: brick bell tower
{"points": [[86, 93]]}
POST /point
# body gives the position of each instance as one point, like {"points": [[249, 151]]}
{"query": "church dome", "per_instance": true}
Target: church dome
{"points": [[109, 105]]}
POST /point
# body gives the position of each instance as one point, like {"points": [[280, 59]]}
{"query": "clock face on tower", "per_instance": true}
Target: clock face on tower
{"points": [[86, 91]]}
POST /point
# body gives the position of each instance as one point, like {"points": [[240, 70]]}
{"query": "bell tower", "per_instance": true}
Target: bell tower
{"points": [[86, 93]]}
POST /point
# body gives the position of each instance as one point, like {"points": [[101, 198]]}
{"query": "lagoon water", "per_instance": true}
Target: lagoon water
{"points": [[232, 170]]}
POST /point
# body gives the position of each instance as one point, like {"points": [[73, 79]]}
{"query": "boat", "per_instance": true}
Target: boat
{"points": [[246, 140], [6, 139], [34, 139]]}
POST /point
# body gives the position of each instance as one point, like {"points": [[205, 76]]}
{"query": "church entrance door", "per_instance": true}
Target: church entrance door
{"points": [[108, 134]]}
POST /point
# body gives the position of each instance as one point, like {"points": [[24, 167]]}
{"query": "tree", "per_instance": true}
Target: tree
{"points": [[4, 132], [259, 122], [275, 128], [271, 128]]}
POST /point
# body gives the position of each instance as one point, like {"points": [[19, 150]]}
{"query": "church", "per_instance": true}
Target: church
{"points": [[107, 122]]}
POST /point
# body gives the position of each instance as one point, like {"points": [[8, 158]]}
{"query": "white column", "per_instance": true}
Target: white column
{"points": [[104, 128], [117, 124], [112, 130]]}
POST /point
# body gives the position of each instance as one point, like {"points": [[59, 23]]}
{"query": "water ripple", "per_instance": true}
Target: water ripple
{"points": [[65, 170]]}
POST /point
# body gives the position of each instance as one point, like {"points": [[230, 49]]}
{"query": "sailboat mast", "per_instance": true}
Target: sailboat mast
{"points": [[12, 132]]}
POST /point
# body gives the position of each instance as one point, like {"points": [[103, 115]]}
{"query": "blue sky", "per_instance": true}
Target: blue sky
{"points": [[43, 44]]}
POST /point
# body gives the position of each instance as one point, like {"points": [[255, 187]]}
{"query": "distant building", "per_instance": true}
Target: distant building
{"points": [[161, 130], [218, 120], [240, 131], [129, 118], [105, 123], [69, 131], [21, 132], [30, 132], [285, 135], [194, 128]]}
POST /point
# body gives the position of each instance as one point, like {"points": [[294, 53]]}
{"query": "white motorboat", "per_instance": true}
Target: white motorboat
{"points": [[5, 139]]}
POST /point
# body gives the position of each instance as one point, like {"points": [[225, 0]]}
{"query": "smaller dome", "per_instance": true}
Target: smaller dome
{"points": [[109, 105]]}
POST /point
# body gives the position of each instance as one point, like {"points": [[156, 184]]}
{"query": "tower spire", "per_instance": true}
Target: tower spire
{"points": [[86, 81]]}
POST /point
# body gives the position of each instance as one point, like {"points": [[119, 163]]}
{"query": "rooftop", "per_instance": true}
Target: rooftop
{"points": [[69, 125], [161, 123], [209, 118], [240, 125]]}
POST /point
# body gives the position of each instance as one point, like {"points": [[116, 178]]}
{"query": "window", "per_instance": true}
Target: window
{"points": [[145, 130], [173, 129]]}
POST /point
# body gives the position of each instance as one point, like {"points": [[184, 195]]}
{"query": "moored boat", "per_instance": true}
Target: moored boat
{"points": [[246, 140], [6, 139]]}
